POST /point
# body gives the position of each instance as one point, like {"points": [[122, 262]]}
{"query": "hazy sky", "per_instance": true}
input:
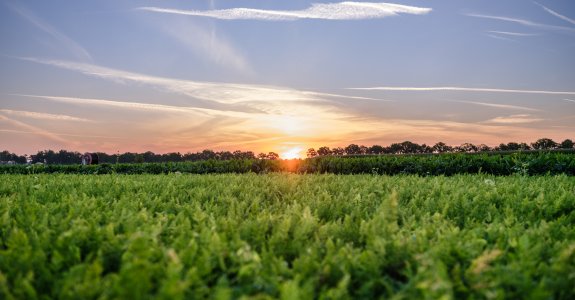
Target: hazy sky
{"points": [[276, 75]]}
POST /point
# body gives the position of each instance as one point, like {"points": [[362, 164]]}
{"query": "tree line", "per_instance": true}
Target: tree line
{"points": [[407, 147], [73, 157]]}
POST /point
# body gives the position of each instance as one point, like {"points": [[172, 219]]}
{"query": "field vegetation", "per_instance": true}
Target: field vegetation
{"points": [[529, 163], [286, 236]]}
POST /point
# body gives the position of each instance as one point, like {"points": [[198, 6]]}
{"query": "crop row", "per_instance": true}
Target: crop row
{"points": [[447, 164]]}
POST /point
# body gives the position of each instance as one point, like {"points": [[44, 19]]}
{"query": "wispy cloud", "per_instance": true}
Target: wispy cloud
{"points": [[512, 33], [43, 116], [134, 106], [33, 129], [73, 47], [523, 22], [462, 89], [64, 134], [208, 43], [569, 100], [495, 105], [558, 15], [225, 93], [514, 119], [324, 11], [500, 37]]}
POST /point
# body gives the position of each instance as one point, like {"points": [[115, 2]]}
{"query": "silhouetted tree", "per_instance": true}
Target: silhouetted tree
{"points": [[483, 148], [338, 151], [311, 152], [409, 147], [567, 144], [544, 144], [273, 156], [425, 149], [323, 151], [376, 149], [352, 149], [394, 148], [466, 147], [441, 147], [6, 156]]}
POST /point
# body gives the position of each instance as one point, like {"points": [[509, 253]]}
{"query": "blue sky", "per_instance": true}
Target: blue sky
{"points": [[283, 75]]}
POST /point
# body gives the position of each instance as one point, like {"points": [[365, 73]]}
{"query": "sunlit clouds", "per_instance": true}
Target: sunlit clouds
{"points": [[282, 76], [464, 89], [323, 11], [42, 116], [514, 119]]}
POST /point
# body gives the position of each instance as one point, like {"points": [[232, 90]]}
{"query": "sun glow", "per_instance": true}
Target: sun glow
{"points": [[292, 153]]}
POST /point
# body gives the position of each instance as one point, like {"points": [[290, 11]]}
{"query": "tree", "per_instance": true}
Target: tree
{"points": [[352, 149], [394, 148], [441, 147], [323, 151], [425, 149], [483, 148], [272, 156], [139, 158], [262, 156], [544, 144], [376, 149], [468, 147], [567, 144], [6, 156], [338, 151], [311, 152], [409, 147]]}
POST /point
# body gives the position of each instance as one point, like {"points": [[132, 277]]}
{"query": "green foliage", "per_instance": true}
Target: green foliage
{"points": [[178, 236], [533, 163]]}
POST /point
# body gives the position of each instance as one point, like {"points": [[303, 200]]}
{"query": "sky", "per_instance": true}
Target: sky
{"points": [[282, 76]]}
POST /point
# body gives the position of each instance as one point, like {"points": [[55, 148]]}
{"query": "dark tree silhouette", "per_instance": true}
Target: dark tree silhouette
{"points": [[352, 149], [376, 149], [311, 152], [441, 147], [323, 151], [544, 144], [567, 144]]}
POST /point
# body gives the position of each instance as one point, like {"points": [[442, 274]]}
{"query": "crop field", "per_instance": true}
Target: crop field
{"points": [[289, 236]]}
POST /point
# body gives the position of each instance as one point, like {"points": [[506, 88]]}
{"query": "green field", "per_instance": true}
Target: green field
{"points": [[286, 236]]}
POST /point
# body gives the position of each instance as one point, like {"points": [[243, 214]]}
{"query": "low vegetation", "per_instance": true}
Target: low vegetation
{"points": [[530, 163], [286, 236]]}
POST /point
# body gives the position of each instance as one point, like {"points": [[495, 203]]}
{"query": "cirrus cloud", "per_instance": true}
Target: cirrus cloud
{"points": [[322, 11]]}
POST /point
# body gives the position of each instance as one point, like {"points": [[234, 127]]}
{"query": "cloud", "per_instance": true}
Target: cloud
{"points": [[523, 22], [249, 95], [63, 134], [135, 106], [504, 106], [500, 37], [560, 16], [462, 89], [74, 48], [208, 43], [322, 11], [513, 119], [33, 129], [569, 100], [42, 116], [512, 33]]}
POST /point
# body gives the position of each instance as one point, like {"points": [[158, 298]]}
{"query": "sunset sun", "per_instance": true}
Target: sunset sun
{"points": [[292, 153]]}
